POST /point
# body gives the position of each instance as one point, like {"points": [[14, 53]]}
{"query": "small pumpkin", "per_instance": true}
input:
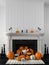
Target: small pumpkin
{"points": [[22, 59], [27, 57], [38, 55], [22, 56], [26, 47], [21, 48], [28, 53], [32, 57], [18, 51], [17, 31], [31, 31], [32, 51], [24, 52], [18, 58], [10, 55]]}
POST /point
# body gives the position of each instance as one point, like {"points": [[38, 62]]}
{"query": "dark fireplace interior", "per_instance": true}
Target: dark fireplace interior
{"points": [[30, 43]]}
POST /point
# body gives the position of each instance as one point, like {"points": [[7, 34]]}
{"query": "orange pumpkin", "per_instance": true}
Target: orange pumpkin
{"points": [[31, 31], [29, 53], [27, 57], [26, 47], [18, 51], [10, 55], [17, 31], [21, 48], [38, 55], [32, 51], [22, 56]]}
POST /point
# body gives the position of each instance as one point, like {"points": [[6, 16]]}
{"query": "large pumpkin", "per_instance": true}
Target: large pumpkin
{"points": [[10, 55], [38, 55]]}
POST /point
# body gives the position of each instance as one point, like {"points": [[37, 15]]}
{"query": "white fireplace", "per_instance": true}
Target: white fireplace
{"points": [[24, 36]]}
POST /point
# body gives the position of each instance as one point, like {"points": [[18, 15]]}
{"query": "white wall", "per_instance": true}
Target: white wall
{"points": [[46, 37], [24, 14], [2, 26], [21, 14]]}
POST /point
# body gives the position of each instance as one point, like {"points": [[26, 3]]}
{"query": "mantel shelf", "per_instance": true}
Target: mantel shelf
{"points": [[25, 34]]}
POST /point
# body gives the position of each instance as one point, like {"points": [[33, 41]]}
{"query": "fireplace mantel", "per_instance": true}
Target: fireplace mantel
{"points": [[25, 34]]}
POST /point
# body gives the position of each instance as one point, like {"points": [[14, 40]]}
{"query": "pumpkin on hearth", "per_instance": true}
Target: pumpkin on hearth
{"points": [[26, 47], [10, 55], [29, 53], [38, 55], [21, 48], [18, 58], [18, 52], [31, 50], [27, 50], [22, 56], [27, 57], [32, 57]]}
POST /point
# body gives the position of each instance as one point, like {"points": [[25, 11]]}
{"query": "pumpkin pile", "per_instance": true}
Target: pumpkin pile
{"points": [[25, 53]]}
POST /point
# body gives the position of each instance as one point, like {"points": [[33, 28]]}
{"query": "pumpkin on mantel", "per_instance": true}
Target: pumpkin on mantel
{"points": [[10, 55], [17, 31], [38, 55]]}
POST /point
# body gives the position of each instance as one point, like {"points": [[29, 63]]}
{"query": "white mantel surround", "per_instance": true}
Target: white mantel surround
{"points": [[24, 36]]}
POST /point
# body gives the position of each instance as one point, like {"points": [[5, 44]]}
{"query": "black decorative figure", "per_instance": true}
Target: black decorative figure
{"points": [[1, 50], [26, 31], [45, 49], [4, 48], [22, 31]]}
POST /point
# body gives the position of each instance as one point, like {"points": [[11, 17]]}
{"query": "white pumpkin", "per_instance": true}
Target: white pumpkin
{"points": [[24, 51], [32, 57], [22, 59]]}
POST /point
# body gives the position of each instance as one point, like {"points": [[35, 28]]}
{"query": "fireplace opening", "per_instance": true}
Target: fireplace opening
{"points": [[30, 43]]}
